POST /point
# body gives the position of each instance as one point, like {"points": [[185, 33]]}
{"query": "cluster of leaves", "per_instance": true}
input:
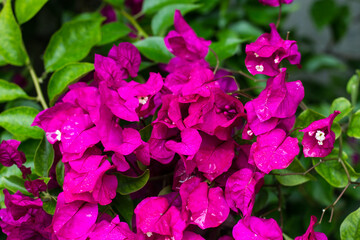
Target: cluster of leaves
{"points": [[68, 56]]}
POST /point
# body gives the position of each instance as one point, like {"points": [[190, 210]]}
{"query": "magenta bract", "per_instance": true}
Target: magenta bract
{"points": [[275, 3], [310, 234]]}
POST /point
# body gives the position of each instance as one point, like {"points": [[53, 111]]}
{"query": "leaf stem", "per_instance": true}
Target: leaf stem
{"points": [[135, 24], [279, 16], [217, 60], [35, 80]]}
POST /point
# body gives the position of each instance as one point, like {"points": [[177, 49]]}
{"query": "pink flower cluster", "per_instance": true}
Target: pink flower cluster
{"points": [[97, 129]]}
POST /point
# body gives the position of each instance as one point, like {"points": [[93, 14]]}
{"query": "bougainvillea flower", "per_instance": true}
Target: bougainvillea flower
{"points": [[127, 56], [275, 3], [310, 234], [241, 188], [155, 216], [35, 186], [192, 236], [318, 138], [24, 218], [205, 207], [257, 228], [225, 81], [181, 65], [183, 41], [73, 220], [108, 71], [10, 155], [112, 230], [215, 115], [214, 156], [274, 150], [191, 83], [189, 145], [172, 112], [92, 184], [109, 13], [265, 54]]}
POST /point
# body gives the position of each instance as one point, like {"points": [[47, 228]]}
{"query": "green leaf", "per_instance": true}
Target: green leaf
{"points": [[323, 12], [127, 185], [116, 3], [62, 78], [60, 170], [320, 62], [224, 49], [111, 32], [246, 30], [18, 122], [354, 125], [145, 133], [154, 49], [124, 205], [12, 48], [49, 205], [350, 227], [2, 61], [352, 87], [23, 103], [333, 171], [10, 91], [44, 158], [341, 22], [165, 17], [343, 105], [26, 9], [14, 184], [293, 180], [72, 42], [152, 6]]}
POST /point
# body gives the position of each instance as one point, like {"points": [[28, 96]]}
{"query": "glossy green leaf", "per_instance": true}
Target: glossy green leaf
{"points": [[62, 78], [12, 48], [354, 125], [341, 22], [246, 30], [28, 147], [293, 180], [72, 42], [2, 61], [320, 62], [23, 103], [14, 184], [44, 158], [127, 185], [323, 12], [116, 3], [152, 6], [49, 205], [352, 87], [350, 227], [111, 32], [124, 206], [223, 50], [343, 105], [10, 91], [165, 17], [60, 170], [333, 171], [18, 122], [26, 9], [154, 49], [145, 133]]}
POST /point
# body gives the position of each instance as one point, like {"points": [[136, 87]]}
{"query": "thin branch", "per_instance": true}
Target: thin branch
{"points": [[217, 60], [303, 106], [35, 79], [250, 77], [279, 16], [132, 20]]}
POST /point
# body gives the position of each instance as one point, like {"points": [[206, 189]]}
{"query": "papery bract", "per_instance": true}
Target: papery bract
{"points": [[9, 155], [115, 229], [310, 234], [35, 186], [265, 54], [183, 41], [206, 207], [155, 216], [257, 228], [73, 220], [241, 189], [189, 145], [127, 57], [274, 150], [318, 140], [275, 3]]}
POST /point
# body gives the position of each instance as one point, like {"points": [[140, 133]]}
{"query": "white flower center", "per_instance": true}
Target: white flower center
{"points": [[149, 234], [256, 55], [58, 135], [259, 68], [143, 99], [320, 136], [249, 132], [276, 60]]}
